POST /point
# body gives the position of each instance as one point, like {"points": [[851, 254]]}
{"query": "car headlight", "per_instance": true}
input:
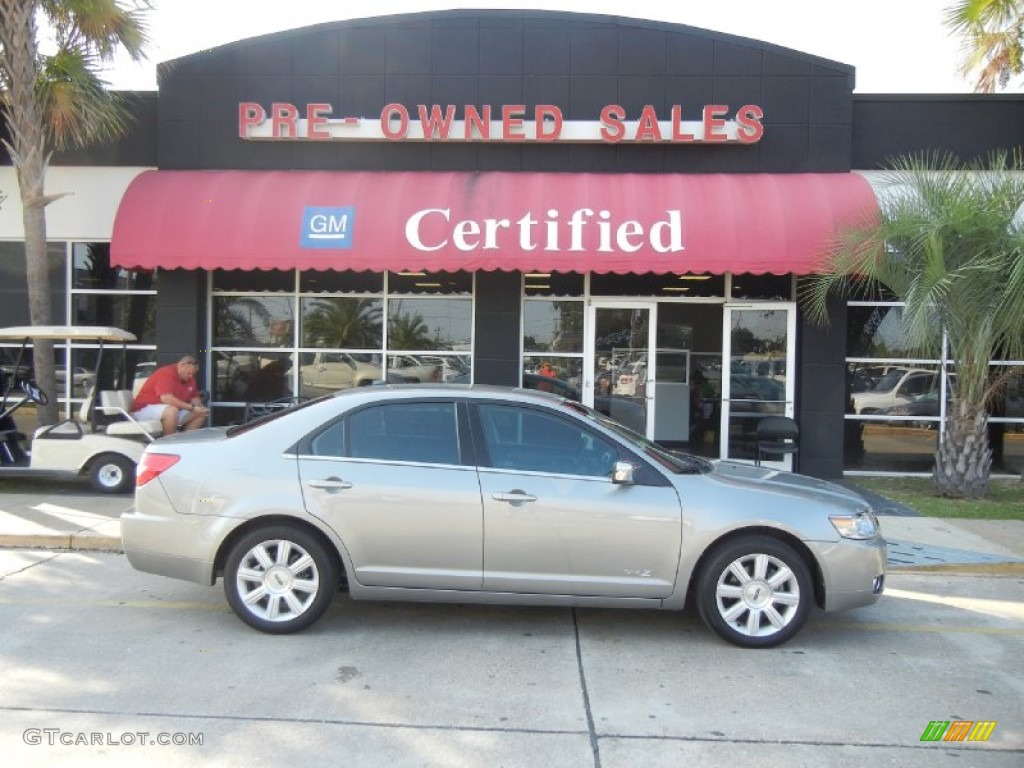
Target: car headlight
{"points": [[862, 525]]}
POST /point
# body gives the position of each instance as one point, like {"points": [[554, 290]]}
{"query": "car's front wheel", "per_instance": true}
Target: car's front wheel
{"points": [[755, 592], [280, 579]]}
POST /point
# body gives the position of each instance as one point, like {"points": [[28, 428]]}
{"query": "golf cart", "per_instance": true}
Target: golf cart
{"points": [[101, 443]]}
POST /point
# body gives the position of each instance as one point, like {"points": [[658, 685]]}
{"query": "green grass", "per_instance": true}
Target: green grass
{"points": [[1004, 501]]}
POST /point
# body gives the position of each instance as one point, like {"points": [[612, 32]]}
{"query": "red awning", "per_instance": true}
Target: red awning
{"points": [[436, 221]]}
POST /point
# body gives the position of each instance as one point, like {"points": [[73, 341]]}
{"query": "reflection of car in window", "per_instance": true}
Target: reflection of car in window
{"points": [[324, 372], [898, 386], [744, 387]]}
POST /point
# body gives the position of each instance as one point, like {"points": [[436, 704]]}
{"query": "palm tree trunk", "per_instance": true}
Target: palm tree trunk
{"points": [[27, 147], [964, 457]]}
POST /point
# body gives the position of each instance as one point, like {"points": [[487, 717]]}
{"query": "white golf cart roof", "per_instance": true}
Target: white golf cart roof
{"points": [[23, 333]]}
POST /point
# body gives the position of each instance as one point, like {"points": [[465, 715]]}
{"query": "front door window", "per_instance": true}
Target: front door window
{"points": [[621, 344], [758, 383]]}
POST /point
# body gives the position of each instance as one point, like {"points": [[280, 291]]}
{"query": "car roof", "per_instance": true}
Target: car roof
{"points": [[435, 389]]}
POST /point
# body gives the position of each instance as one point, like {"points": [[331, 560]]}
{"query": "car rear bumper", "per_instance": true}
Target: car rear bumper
{"points": [[181, 547]]}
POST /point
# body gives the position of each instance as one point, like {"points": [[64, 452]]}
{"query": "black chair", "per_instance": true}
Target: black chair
{"points": [[776, 435]]}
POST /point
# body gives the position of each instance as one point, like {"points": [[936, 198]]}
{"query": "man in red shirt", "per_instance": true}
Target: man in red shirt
{"points": [[170, 394]]}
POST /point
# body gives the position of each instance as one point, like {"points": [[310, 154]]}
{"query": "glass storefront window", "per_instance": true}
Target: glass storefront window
{"points": [[893, 390], [354, 323], [255, 377], [553, 284], [552, 326], [763, 287], [91, 270], [560, 375], [248, 321], [882, 447], [689, 285], [430, 282], [132, 312], [341, 282], [429, 324], [242, 280], [417, 369], [354, 329], [875, 331]]}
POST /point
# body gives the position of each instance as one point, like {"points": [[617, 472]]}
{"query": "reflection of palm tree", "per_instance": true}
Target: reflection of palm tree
{"points": [[408, 331], [234, 318], [353, 323]]}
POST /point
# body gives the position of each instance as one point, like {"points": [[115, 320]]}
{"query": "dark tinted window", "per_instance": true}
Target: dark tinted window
{"points": [[525, 439], [418, 432]]}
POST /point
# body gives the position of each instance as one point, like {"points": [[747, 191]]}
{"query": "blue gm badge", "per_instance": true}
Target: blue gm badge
{"points": [[324, 227]]}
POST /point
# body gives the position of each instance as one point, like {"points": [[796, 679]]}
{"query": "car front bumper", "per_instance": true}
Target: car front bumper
{"points": [[853, 571]]}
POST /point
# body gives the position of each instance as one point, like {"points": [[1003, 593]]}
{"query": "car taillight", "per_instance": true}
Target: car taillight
{"points": [[152, 464]]}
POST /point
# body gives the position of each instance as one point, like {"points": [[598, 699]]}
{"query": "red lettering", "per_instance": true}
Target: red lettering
{"points": [[434, 125], [512, 122], [315, 118], [712, 125], [249, 114], [613, 129], [390, 113], [283, 121], [677, 126], [750, 128], [647, 128], [481, 123], [548, 129]]}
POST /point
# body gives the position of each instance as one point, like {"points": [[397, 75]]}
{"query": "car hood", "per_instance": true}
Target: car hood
{"points": [[763, 478]]}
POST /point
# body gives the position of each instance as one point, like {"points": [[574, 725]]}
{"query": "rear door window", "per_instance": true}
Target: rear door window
{"points": [[419, 432]]}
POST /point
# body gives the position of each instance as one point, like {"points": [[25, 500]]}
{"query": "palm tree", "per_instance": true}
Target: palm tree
{"points": [[52, 102], [949, 243], [991, 32], [408, 330], [343, 322]]}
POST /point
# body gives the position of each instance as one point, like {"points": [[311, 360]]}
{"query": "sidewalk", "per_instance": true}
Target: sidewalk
{"points": [[71, 517]]}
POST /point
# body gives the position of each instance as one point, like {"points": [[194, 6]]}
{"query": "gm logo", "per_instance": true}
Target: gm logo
{"points": [[327, 227]]}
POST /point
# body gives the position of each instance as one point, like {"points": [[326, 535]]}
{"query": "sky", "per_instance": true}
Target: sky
{"points": [[897, 46]]}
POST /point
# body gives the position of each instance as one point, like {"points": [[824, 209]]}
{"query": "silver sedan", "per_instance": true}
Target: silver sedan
{"points": [[486, 494]]}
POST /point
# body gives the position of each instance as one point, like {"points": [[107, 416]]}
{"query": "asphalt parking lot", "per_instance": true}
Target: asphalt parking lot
{"points": [[93, 650]]}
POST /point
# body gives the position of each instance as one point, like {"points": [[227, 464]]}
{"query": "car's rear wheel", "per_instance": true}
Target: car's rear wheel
{"points": [[280, 579], [755, 592], [112, 473]]}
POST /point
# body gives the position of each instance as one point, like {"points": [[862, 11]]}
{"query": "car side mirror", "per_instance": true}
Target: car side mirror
{"points": [[622, 473]]}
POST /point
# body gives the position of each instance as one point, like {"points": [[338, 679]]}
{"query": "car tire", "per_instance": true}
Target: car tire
{"points": [[112, 473], [280, 579], [755, 592]]}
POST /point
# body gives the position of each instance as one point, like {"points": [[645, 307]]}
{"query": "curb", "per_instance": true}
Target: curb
{"points": [[1014, 569], [70, 541]]}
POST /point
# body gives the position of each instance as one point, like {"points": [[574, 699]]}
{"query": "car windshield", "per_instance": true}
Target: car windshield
{"points": [[889, 381], [679, 463]]}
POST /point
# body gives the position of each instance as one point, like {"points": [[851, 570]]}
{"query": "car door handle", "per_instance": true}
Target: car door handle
{"points": [[331, 484], [514, 497]]}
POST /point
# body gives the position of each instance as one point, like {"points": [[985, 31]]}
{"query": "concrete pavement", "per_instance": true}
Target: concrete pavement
{"points": [[73, 517]]}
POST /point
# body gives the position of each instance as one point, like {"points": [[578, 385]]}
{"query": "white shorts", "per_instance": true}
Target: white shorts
{"points": [[155, 413]]}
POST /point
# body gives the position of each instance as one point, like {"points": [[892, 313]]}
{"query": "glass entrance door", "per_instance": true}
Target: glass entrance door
{"points": [[620, 380], [759, 345]]}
